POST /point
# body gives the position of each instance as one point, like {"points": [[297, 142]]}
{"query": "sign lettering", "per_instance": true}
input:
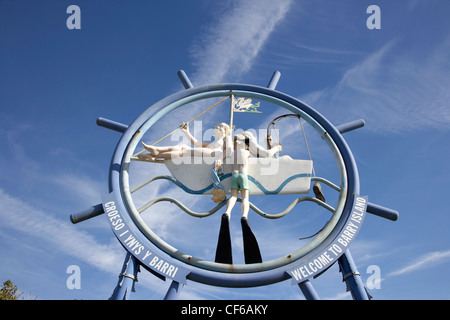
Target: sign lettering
{"points": [[141, 249], [322, 261]]}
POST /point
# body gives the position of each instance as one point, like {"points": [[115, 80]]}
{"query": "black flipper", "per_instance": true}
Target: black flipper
{"points": [[223, 250], [251, 248]]}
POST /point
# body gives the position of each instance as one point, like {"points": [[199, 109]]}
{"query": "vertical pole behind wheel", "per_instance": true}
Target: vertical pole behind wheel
{"points": [[308, 290], [352, 277], [127, 278], [173, 291]]}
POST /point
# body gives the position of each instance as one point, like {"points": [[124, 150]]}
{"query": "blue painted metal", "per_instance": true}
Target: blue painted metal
{"points": [[127, 278], [182, 207], [308, 290], [248, 276], [235, 275], [156, 261], [113, 125], [87, 214], [274, 80], [346, 127], [315, 265], [352, 277], [173, 291], [222, 274], [250, 178], [244, 270], [282, 185], [263, 214], [185, 80], [220, 205], [382, 211]]}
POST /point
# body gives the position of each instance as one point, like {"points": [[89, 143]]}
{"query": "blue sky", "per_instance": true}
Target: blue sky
{"points": [[55, 82]]}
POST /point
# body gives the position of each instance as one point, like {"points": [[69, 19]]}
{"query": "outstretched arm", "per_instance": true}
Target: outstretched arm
{"points": [[260, 151], [185, 129], [264, 153]]}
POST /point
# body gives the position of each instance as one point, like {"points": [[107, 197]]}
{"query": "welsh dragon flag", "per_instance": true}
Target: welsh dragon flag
{"points": [[245, 105]]}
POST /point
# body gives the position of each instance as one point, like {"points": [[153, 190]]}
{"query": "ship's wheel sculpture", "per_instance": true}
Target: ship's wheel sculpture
{"points": [[234, 167]]}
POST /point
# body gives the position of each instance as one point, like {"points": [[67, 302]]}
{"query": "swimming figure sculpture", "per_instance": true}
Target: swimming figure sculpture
{"points": [[242, 143]]}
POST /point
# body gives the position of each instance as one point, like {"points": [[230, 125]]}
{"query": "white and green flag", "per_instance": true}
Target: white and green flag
{"points": [[245, 105]]}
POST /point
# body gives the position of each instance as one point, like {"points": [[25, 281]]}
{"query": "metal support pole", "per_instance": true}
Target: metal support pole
{"points": [[382, 211], [112, 125], [231, 114], [308, 290], [346, 127], [274, 80], [127, 278], [352, 277], [87, 214], [173, 291], [185, 80]]}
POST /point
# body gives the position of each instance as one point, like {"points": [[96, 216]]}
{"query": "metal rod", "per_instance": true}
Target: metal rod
{"points": [[169, 134], [231, 114], [382, 211], [290, 207], [113, 125], [308, 290], [328, 183], [352, 277], [127, 278], [252, 206], [185, 80], [173, 291], [346, 127], [274, 80], [182, 207], [91, 212]]}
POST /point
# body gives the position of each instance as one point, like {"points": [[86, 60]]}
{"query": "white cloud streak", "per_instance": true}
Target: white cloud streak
{"points": [[428, 260], [229, 47], [393, 91], [57, 234], [80, 187], [59, 237]]}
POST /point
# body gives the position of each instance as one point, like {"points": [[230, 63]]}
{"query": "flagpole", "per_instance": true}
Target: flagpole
{"points": [[231, 114]]}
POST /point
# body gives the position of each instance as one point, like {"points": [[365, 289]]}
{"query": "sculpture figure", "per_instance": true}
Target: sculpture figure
{"points": [[243, 143], [214, 149]]}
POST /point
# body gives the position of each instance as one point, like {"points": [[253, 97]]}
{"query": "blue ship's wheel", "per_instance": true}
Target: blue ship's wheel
{"points": [[217, 273], [166, 261]]}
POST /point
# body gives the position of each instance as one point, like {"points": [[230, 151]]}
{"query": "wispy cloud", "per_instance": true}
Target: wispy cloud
{"points": [[59, 235], [230, 46], [80, 187], [395, 91], [54, 236], [227, 48], [425, 261], [302, 54]]}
